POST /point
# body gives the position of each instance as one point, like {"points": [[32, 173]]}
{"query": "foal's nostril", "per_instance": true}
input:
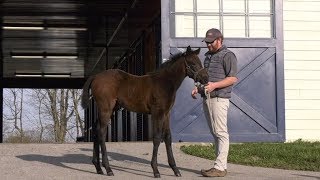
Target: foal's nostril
{"points": [[205, 79]]}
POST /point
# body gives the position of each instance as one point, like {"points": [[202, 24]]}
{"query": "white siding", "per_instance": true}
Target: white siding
{"points": [[301, 23]]}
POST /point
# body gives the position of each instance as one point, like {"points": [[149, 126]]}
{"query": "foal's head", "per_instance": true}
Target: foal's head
{"points": [[194, 68]]}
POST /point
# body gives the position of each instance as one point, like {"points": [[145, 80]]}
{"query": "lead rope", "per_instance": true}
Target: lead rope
{"points": [[209, 103], [207, 94]]}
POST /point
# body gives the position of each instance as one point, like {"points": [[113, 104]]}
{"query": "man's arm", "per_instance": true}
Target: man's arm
{"points": [[228, 81]]}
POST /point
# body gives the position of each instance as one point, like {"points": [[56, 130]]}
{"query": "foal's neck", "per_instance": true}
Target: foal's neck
{"points": [[176, 73]]}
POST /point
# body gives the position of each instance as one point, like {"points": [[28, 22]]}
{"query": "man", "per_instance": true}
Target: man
{"points": [[221, 64]]}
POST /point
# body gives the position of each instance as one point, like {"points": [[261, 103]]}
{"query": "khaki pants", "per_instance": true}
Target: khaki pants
{"points": [[216, 110]]}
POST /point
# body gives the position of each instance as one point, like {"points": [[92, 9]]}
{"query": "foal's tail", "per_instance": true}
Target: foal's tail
{"points": [[85, 92]]}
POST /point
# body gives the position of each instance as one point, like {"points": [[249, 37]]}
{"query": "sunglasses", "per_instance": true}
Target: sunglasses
{"points": [[209, 42]]}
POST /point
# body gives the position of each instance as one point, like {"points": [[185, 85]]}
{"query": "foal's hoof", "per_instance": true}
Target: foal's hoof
{"points": [[177, 174], [110, 173], [157, 175], [176, 171], [100, 171]]}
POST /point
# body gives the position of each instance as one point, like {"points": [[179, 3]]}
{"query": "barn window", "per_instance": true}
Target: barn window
{"points": [[235, 18]]}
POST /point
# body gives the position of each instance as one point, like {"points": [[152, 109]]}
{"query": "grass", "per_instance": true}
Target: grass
{"points": [[298, 155]]}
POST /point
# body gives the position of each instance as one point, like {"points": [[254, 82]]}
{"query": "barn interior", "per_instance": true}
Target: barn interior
{"points": [[59, 43]]}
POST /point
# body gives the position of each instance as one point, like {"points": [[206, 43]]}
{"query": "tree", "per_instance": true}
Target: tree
{"points": [[76, 96], [52, 115], [14, 111], [38, 100], [63, 107], [58, 109]]}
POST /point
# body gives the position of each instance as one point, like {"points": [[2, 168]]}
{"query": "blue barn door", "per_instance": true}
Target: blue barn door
{"points": [[253, 113], [256, 110]]}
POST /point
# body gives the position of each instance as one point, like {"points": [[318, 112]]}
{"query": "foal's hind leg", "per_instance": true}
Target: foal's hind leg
{"points": [[104, 120], [168, 143], [96, 153]]}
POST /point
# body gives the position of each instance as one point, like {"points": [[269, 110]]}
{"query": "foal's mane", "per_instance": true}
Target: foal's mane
{"points": [[168, 63], [172, 60]]}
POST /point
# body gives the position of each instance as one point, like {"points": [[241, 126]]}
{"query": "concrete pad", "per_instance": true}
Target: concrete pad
{"points": [[129, 160]]}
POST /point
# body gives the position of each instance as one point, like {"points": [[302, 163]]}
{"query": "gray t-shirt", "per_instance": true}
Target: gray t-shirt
{"points": [[230, 65]]}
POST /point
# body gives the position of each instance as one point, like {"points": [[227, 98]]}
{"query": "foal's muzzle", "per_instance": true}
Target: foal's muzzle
{"points": [[202, 76]]}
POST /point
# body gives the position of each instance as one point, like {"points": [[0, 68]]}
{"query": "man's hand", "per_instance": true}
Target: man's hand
{"points": [[194, 93], [228, 81], [210, 87]]}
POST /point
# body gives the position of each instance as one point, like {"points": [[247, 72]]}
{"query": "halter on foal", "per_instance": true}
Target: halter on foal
{"points": [[153, 94]]}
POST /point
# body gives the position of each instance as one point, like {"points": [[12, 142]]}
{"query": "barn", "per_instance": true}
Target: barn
{"points": [[60, 43]]}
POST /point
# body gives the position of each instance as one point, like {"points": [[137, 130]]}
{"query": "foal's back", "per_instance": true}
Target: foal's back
{"points": [[130, 91]]}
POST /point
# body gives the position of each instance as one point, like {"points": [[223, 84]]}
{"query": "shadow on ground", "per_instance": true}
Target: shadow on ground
{"points": [[85, 159]]}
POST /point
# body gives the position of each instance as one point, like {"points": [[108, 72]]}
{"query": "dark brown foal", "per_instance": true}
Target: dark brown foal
{"points": [[153, 93]]}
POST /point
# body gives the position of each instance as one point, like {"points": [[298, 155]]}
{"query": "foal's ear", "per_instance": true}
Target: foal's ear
{"points": [[197, 51], [188, 49]]}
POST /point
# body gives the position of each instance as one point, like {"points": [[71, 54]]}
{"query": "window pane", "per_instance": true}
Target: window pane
{"points": [[233, 6], [208, 6], [259, 6], [234, 26], [232, 21], [205, 23], [184, 26], [183, 5], [260, 27]]}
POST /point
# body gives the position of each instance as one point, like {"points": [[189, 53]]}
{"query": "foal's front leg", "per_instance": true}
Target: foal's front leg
{"points": [[154, 161], [157, 134], [168, 143]]}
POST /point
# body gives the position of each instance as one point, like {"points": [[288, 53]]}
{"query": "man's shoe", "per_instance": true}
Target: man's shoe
{"points": [[213, 172]]}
